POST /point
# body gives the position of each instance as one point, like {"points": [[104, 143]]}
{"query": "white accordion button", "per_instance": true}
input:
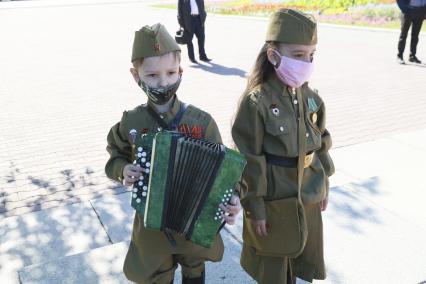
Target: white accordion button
{"points": [[139, 155], [145, 188], [143, 160], [215, 218], [138, 200], [141, 177], [143, 193], [135, 195], [135, 190], [140, 183], [148, 164], [140, 149], [147, 171], [143, 154]]}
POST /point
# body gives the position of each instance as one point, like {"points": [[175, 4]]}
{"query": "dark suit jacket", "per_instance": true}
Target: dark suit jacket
{"points": [[405, 7], [184, 13]]}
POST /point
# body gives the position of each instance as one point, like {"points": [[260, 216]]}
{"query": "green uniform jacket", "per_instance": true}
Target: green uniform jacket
{"points": [[266, 122], [146, 241]]}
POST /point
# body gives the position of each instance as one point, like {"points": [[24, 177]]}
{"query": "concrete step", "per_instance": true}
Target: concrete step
{"points": [[104, 265], [101, 265]]}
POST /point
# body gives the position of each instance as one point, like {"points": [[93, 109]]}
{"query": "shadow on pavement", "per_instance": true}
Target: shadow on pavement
{"points": [[68, 187], [220, 69], [423, 65], [349, 203]]}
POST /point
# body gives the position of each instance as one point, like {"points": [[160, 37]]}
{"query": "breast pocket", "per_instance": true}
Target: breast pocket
{"points": [[277, 127], [280, 137]]}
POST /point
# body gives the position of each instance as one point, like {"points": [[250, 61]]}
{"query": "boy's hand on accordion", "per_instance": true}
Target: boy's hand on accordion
{"points": [[131, 173], [232, 209]]}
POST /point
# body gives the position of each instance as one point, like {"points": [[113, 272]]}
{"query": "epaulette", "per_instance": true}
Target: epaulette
{"points": [[255, 94]]}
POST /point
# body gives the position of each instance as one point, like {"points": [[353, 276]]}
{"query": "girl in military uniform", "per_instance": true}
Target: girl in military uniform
{"points": [[280, 128], [151, 258]]}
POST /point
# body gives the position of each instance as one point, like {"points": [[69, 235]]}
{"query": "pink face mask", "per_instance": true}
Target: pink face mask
{"points": [[293, 72]]}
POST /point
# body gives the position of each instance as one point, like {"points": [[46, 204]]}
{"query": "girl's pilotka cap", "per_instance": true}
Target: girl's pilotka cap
{"points": [[293, 27]]}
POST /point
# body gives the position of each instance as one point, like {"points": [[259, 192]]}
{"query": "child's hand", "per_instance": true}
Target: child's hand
{"points": [[324, 203], [131, 173], [233, 209], [260, 227]]}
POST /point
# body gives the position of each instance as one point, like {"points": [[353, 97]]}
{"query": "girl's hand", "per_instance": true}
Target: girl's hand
{"points": [[232, 209], [324, 203], [260, 227], [131, 173]]}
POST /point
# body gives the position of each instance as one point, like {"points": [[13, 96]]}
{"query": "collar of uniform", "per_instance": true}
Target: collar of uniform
{"points": [[275, 85], [170, 115]]}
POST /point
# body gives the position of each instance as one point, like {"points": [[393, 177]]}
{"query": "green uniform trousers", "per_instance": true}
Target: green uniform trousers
{"points": [[160, 268], [282, 270]]}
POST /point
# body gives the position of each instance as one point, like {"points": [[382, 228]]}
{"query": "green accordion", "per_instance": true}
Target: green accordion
{"points": [[183, 183]]}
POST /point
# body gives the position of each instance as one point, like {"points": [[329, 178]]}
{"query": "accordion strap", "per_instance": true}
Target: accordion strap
{"points": [[301, 143], [174, 123]]}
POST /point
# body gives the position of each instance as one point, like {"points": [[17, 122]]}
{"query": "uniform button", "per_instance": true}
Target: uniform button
{"points": [[140, 149], [162, 116], [281, 128], [159, 128], [138, 200], [295, 102], [307, 134]]}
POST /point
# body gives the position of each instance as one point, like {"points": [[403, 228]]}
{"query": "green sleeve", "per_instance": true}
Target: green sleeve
{"points": [[119, 149], [212, 132], [248, 133], [326, 143]]}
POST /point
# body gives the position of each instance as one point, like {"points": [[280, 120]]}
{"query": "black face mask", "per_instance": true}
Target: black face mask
{"points": [[160, 96]]}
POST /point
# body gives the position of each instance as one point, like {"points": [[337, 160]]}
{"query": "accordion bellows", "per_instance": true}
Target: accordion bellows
{"points": [[184, 182]]}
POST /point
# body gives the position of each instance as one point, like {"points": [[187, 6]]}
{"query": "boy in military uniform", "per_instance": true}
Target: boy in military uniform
{"points": [[280, 128], [156, 69]]}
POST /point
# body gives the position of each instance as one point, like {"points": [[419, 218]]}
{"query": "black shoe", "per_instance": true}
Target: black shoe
{"points": [[399, 59], [198, 280], [193, 60], [205, 59], [414, 59]]}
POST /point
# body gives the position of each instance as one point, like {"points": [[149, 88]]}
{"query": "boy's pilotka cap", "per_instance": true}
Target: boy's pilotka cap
{"points": [[294, 27], [153, 41]]}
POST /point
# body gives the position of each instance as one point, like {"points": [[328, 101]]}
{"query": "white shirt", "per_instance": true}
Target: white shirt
{"points": [[194, 7]]}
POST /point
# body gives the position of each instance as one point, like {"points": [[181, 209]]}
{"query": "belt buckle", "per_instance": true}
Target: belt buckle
{"points": [[308, 160]]}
